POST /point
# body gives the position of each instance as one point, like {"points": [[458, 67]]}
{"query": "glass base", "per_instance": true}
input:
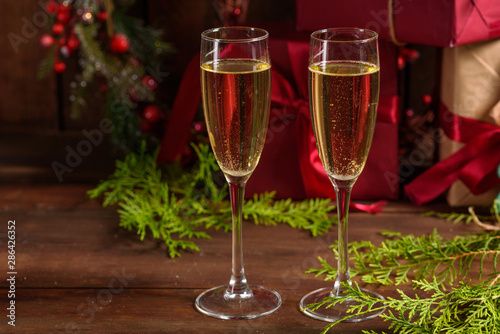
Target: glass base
{"points": [[260, 302], [338, 311]]}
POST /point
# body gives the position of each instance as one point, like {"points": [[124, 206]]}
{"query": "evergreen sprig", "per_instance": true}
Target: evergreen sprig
{"points": [[46, 65], [177, 206], [137, 172], [146, 204], [468, 308], [398, 257], [313, 215], [454, 217]]}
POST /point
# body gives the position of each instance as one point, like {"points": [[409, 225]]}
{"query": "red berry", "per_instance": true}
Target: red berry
{"points": [[119, 43], [410, 54], [59, 66], [426, 99], [102, 16], [52, 7], [149, 82], [64, 8], [135, 95], [63, 16], [236, 12], [414, 55], [135, 61], [199, 126], [401, 62], [46, 40], [62, 41], [151, 113], [57, 28], [73, 43]]}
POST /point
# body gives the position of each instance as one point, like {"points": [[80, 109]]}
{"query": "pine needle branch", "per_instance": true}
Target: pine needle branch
{"points": [[177, 206], [311, 215], [468, 308], [398, 257], [454, 217], [46, 66]]}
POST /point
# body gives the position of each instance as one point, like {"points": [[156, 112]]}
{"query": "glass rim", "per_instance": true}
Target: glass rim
{"points": [[374, 35], [204, 34]]}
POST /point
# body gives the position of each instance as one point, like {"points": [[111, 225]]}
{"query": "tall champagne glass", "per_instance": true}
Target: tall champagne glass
{"points": [[236, 86], [344, 92]]}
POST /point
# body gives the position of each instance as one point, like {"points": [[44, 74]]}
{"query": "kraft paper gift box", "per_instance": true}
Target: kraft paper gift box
{"points": [[470, 88], [470, 123]]}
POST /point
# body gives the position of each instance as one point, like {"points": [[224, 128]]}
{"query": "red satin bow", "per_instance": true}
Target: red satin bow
{"points": [[475, 164]]}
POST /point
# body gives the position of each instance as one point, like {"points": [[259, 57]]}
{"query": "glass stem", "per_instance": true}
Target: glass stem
{"points": [[343, 194], [238, 287]]}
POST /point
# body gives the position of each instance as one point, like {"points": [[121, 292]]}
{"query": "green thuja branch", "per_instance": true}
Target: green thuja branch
{"points": [[46, 65], [454, 217], [430, 260], [135, 173], [204, 181], [468, 308], [177, 206], [495, 209], [146, 204], [311, 215], [430, 255]]}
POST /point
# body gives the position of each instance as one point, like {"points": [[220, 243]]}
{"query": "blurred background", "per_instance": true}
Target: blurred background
{"points": [[54, 90], [43, 105]]}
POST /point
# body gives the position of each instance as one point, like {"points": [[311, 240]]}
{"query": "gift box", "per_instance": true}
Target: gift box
{"points": [[470, 124], [289, 163], [442, 23]]}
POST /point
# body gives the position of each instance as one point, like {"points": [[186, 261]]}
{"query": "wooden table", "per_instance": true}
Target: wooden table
{"points": [[78, 272]]}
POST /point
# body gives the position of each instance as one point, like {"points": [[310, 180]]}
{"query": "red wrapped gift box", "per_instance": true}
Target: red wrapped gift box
{"points": [[290, 163], [440, 23]]}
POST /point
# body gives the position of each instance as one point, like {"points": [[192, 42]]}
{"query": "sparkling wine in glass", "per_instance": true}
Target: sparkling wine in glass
{"points": [[236, 91], [344, 91]]}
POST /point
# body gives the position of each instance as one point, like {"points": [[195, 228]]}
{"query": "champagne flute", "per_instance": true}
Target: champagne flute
{"points": [[236, 89], [344, 92]]}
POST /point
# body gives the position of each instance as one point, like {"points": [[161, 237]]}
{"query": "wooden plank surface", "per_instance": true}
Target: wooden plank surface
{"points": [[78, 272]]}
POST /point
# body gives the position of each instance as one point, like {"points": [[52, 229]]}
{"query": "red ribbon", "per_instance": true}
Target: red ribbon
{"points": [[475, 164]]}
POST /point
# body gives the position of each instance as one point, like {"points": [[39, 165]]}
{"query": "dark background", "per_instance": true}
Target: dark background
{"points": [[30, 105]]}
